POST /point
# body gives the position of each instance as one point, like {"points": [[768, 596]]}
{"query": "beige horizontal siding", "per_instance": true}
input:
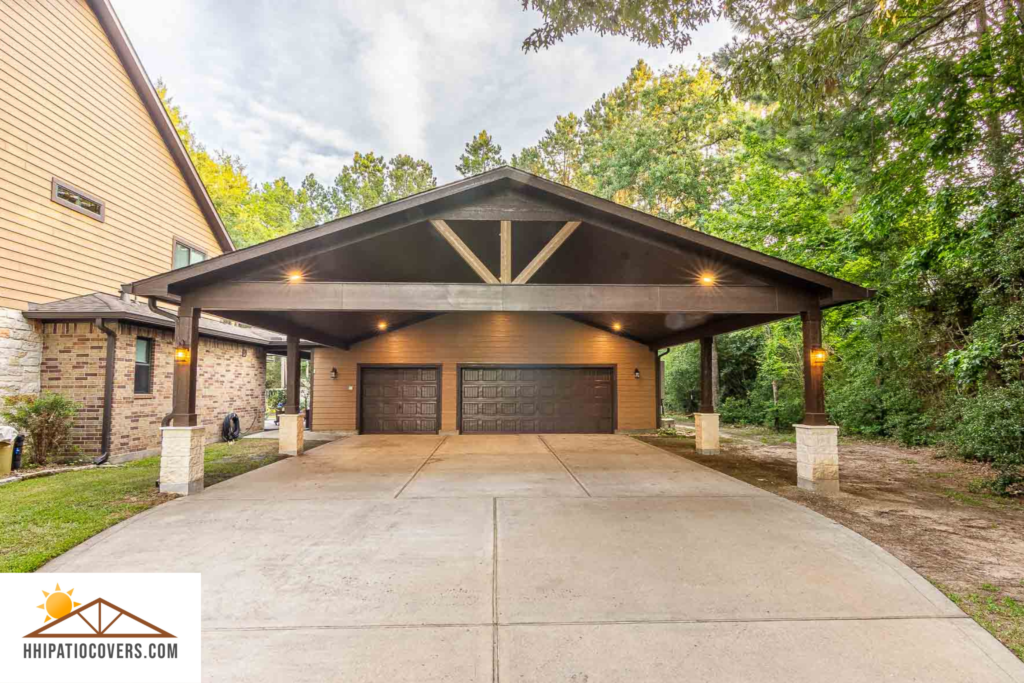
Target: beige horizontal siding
{"points": [[514, 338], [70, 110]]}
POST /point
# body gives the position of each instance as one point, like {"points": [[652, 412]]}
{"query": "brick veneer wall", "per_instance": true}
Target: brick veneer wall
{"points": [[231, 379]]}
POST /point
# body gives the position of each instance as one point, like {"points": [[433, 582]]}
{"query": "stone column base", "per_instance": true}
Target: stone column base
{"points": [[706, 425], [817, 458], [181, 460], [291, 432]]}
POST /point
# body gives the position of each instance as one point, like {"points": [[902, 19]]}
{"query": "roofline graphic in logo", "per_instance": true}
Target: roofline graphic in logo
{"points": [[99, 630]]}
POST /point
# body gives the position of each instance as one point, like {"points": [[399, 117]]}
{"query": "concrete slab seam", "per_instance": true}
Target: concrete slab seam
{"points": [[564, 466], [422, 465], [494, 592], [624, 622]]}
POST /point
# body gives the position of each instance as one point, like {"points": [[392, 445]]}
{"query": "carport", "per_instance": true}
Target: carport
{"points": [[540, 309]]}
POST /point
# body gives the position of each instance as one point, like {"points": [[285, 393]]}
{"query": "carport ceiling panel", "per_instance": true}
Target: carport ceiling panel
{"points": [[593, 255], [416, 253]]}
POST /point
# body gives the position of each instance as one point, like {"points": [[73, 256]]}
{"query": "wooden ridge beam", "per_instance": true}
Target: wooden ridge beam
{"points": [[547, 252], [463, 250]]}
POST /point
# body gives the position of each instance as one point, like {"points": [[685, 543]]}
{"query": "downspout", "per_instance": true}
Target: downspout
{"points": [[108, 390], [167, 314]]}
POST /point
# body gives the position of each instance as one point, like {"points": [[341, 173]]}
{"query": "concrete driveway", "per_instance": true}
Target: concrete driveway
{"points": [[583, 559]]}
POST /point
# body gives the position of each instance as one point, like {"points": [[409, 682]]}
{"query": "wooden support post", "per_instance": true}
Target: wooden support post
{"points": [[293, 371], [814, 389], [707, 404], [506, 252], [186, 367]]}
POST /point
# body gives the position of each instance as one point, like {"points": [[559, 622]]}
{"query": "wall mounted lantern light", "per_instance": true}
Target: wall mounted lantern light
{"points": [[334, 373], [183, 355], [636, 373], [818, 356]]}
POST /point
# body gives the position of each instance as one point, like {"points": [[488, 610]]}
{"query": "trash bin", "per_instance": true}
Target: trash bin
{"points": [[19, 449], [7, 437]]}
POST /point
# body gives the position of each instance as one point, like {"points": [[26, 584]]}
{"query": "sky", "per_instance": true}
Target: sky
{"points": [[296, 87]]}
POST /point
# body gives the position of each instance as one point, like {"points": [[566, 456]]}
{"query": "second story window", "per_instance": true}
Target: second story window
{"points": [[143, 365], [185, 255], [76, 200]]}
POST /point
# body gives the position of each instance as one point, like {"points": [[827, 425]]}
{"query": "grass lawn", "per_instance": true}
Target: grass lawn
{"points": [[43, 518]]}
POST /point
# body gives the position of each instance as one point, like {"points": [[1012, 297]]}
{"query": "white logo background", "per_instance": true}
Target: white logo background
{"points": [[171, 602]]}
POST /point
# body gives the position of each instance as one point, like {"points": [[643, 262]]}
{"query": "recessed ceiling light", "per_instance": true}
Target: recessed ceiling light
{"points": [[382, 325], [707, 279], [295, 276], [617, 326]]}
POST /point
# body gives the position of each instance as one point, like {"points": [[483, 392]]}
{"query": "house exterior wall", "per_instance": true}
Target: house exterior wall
{"points": [[71, 112], [231, 379], [513, 338]]}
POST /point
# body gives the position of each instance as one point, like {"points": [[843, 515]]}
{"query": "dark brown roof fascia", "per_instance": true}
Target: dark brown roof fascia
{"points": [[130, 60]]}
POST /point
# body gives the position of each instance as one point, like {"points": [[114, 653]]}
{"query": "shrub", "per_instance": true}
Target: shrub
{"points": [[46, 421], [990, 428]]}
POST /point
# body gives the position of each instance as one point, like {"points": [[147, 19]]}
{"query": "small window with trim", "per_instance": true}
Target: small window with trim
{"points": [[185, 255], [143, 365], [67, 195]]}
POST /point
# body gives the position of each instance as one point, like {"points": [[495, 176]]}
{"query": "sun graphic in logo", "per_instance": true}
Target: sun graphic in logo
{"points": [[58, 603]]}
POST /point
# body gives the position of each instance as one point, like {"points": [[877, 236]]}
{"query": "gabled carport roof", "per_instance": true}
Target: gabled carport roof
{"points": [[437, 252], [421, 206]]}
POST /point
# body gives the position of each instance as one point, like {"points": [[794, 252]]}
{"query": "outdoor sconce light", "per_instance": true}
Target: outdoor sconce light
{"points": [[334, 373], [636, 373], [818, 356], [183, 355]]}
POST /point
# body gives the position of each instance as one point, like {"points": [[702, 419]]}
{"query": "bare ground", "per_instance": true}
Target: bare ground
{"points": [[924, 509]]}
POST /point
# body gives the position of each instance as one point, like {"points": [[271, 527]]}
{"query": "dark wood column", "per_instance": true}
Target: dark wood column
{"points": [[814, 389], [707, 404], [186, 367], [293, 371]]}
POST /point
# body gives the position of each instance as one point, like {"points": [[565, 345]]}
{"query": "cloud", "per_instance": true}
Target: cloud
{"points": [[294, 88]]}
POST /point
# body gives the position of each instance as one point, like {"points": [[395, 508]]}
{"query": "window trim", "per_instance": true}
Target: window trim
{"points": [[55, 181], [151, 355], [191, 247]]}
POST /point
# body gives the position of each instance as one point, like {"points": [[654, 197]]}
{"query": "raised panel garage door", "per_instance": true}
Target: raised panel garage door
{"points": [[524, 400], [399, 400]]}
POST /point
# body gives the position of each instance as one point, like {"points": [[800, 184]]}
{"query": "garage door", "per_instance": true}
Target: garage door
{"points": [[399, 400], [523, 400]]}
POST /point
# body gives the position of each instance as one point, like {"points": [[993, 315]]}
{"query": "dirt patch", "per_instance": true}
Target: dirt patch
{"points": [[924, 509]]}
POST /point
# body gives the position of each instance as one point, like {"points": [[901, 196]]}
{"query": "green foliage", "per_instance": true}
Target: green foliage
{"points": [[46, 421], [655, 22], [989, 426], [482, 154]]}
